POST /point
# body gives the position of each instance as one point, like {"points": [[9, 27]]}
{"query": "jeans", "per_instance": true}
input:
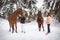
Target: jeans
{"points": [[48, 26]]}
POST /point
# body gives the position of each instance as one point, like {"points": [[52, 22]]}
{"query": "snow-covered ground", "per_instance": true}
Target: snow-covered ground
{"points": [[32, 32]]}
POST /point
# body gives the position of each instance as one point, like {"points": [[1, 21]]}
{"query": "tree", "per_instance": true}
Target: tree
{"points": [[57, 10]]}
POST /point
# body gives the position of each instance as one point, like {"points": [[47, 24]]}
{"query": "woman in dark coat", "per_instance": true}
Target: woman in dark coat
{"points": [[40, 20], [22, 20]]}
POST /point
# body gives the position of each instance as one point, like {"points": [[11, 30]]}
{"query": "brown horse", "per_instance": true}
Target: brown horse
{"points": [[40, 20], [12, 19]]}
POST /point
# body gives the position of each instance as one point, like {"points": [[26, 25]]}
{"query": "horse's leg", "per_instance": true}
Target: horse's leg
{"points": [[39, 26], [16, 28], [12, 28], [43, 27]]}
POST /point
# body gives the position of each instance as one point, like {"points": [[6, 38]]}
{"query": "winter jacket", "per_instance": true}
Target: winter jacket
{"points": [[22, 20], [48, 20]]}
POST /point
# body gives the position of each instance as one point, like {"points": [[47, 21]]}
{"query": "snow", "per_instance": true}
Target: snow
{"points": [[31, 29]]}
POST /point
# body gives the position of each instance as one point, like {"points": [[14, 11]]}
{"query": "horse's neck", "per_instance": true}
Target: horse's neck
{"points": [[16, 13]]}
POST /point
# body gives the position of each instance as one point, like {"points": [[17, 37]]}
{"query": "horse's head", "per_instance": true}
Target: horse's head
{"points": [[20, 11], [39, 13]]}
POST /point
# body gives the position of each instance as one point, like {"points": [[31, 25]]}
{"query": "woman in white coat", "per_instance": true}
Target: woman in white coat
{"points": [[48, 22]]}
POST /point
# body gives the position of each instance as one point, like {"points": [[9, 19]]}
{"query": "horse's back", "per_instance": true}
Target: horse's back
{"points": [[40, 21], [12, 19]]}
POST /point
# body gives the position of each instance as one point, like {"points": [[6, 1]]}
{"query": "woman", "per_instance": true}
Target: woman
{"points": [[40, 20], [48, 22], [23, 17]]}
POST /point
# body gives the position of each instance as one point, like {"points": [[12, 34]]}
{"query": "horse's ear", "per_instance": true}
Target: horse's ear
{"points": [[20, 9]]}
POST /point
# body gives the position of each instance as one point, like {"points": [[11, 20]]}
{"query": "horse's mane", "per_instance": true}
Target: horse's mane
{"points": [[16, 12]]}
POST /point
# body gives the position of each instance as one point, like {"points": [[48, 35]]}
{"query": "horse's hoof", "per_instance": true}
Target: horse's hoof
{"points": [[39, 30], [12, 31], [16, 32], [43, 30], [24, 32], [9, 30]]}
